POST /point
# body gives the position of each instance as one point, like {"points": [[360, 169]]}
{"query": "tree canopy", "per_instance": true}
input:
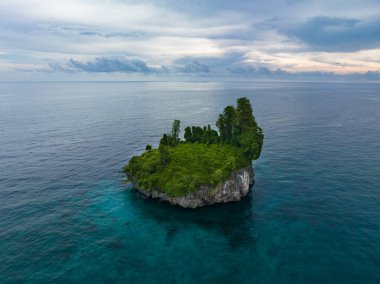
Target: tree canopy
{"points": [[205, 156], [238, 127], [173, 138]]}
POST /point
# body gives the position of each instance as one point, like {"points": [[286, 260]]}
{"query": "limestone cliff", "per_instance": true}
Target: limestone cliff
{"points": [[232, 189]]}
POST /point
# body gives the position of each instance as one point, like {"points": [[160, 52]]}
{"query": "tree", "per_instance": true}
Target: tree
{"points": [[220, 123], [260, 135], [249, 135], [188, 134], [197, 133], [229, 114], [251, 144], [176, 128], [245, 118], [225, 123], [211, 135], [148, 147], [165, 140], [205, 135], [173, 138], [238, 127]]}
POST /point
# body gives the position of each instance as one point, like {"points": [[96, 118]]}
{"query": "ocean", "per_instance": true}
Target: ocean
{"points": [[67, 215]]}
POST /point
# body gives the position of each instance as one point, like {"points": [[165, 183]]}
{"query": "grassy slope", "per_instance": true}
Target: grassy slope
{"points": [[189, 166]]}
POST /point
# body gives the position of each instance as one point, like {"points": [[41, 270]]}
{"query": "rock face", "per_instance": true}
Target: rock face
{"points": [[232, 189]]}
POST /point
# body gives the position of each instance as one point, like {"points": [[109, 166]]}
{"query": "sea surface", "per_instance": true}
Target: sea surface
{"points": [[67, 216]]}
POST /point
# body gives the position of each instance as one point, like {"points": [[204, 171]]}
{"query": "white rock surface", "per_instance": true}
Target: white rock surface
{"points": [[232, 189]]}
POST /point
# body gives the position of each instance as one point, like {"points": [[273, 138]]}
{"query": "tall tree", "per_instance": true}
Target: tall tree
{"points": [[175, 130], [188, 134], [229, 114], [165, 140], [220, 123], [238, 127], [225, 123], [249, 135], [197, 133], [244, 112]]}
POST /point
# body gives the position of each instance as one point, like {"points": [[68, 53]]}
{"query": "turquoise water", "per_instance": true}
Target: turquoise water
{"points": [[313, 215]]}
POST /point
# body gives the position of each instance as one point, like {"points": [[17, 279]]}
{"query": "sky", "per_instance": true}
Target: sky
{"points": [[168, 39]]}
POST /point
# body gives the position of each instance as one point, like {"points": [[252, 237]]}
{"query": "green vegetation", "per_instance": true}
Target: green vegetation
{"points": [[205, 157], [238, 127], [185, 167]]}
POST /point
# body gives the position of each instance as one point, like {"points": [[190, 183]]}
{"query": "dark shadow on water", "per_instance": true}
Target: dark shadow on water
{"points": [[116, 244], [235, 220], [170, 233]]}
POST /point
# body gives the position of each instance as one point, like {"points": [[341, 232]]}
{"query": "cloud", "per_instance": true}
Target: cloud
{"points": [[237, 70], [279, 74], [213, 64], [370, 75], [191, 38], [77, 30], [194, 67], [252, 71], [337, 33], [108, 65]]}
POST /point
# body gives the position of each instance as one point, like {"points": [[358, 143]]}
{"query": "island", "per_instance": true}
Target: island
{"points": [[204, 168]]}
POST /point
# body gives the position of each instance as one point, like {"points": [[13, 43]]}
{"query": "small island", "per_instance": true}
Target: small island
{"points": [[207, 167]]}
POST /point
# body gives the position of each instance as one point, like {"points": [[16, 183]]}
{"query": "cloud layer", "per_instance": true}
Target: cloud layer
{"points": [[338, 33], [289, 38], [109, 65]]}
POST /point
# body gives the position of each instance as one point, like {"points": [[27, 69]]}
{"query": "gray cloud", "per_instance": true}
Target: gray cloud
{"points": [[252, 71], [337, 33], [108, 65], [215, 68], [214, 38], [194, 67], [278, 74], [213, 64], [77, 30], [233, 65], [370, 75], [58, 67]]}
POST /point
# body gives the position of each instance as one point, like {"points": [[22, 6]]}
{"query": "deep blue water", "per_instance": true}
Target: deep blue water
{"points": [[313, 215]]}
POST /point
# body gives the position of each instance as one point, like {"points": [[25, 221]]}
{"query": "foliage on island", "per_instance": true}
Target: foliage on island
{"points": [[204, 157]]}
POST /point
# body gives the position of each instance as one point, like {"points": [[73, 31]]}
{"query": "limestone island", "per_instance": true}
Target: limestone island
{"points": [[207, 167]]}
